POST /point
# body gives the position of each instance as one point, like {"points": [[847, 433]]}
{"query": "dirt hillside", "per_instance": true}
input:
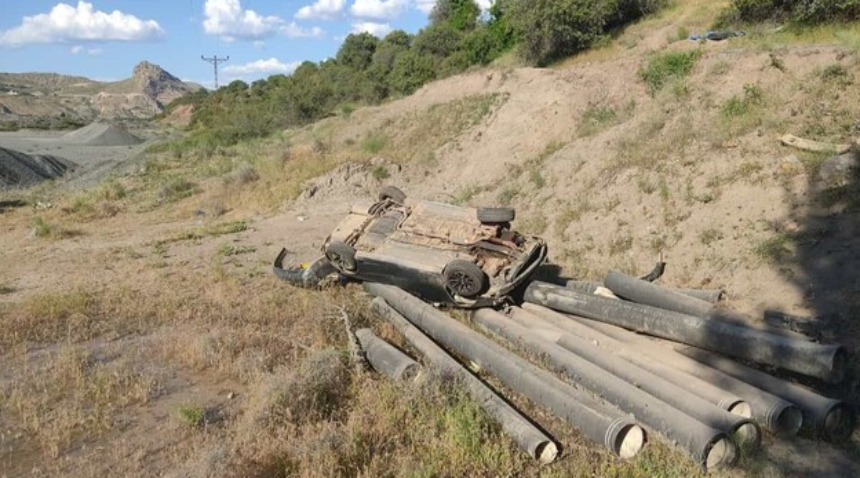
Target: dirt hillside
{"points": [[42, 99], [146, 335]]}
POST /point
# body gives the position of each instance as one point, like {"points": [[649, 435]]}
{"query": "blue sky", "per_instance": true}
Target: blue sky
{"points": [[104, 39]]}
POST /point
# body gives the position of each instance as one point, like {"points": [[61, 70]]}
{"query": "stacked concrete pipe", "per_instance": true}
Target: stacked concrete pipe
{"points": [[826, 362], [527, 436], [710, 446], [602, 423]]}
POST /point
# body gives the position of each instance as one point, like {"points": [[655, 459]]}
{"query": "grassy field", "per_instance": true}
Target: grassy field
{"points": [[144, 334]]}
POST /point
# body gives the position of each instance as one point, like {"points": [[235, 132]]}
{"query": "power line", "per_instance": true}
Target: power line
{"points": [[215, 62]]}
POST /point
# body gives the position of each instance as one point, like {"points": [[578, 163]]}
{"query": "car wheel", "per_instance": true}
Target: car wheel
{"points": [[496, 215], [464, 278], [393, 193], [342, 255]]}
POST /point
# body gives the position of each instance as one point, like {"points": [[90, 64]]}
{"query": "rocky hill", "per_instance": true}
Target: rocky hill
{"points": [[51, 100]]}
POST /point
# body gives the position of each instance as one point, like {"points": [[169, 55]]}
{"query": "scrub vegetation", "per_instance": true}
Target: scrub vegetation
{"points": [[145, 335]]}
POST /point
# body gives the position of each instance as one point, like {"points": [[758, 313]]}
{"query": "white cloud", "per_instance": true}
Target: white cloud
{"points": [[227, 19], [65, 23], [380, 9], [325, 9], [378, 30], [293, 30], [78, 49], [261, 67], [425, 6]]}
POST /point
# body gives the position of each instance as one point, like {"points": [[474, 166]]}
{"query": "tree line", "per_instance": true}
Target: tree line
{"points": [[368, 70]]}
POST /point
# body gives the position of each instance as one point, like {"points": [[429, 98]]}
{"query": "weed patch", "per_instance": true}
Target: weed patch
{"points": [[710, 236], [176, 188], [46, 230], [191, 415], [229, 250], [380, 172], [740, 114], [664, 67], [374, 143], [776, 249]]}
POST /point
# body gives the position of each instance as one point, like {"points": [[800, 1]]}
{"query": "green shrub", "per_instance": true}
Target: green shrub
{"points": [[797, 11], [190, 415], [551, 29], [667, 66]]}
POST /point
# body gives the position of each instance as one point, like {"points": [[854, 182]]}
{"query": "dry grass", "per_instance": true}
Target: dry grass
{"points": [[170, 339], [262, 174]]}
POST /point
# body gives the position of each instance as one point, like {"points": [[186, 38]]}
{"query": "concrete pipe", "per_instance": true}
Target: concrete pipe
{"points": [[827, 362], [775, 414], [527, 436], [646, 293], [833, 420], [708, 446], [386, 358], [709, 295], [703, 389], [600, 422], [745, 431]]}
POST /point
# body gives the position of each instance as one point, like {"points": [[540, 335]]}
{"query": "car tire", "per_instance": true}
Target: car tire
{"points": [[341, 255], [392, 193], [464, 278], [496, 215]]}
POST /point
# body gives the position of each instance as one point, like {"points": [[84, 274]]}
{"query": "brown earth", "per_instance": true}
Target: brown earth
{"points": [[177, 303]]}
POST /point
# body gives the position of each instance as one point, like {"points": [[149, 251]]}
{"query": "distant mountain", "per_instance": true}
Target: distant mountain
{"points": [[52, 100]]}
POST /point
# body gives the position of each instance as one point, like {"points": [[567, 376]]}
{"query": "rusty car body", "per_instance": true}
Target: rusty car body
{"points": [[468, 257]]}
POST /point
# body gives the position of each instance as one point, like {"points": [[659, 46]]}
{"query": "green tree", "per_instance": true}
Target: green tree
{"points": [[411, 70], [357, 50], [440, 40], [398, 38], [396, 43], [551, 29], [462, 15]]}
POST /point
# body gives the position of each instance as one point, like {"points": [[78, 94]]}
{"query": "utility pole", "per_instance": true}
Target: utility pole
{"points": [[215, 62]]}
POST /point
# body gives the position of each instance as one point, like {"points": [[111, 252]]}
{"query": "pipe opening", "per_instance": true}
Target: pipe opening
{"points": [[839, 423], [747, 434], [741, 408], [546, 452], [629, 441], [839, 365], [721, 453], [788, 421]]}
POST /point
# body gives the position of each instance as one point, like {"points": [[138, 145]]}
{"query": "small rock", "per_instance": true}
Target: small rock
{"points": [[231, 395], [838, 171]]}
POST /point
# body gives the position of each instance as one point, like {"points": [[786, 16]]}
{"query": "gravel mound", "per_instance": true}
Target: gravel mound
{"points": [[21, 170], [102, 134]]}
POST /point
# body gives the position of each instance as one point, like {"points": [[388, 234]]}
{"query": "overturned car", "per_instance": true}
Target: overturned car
{"points": [[468, 257]]}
